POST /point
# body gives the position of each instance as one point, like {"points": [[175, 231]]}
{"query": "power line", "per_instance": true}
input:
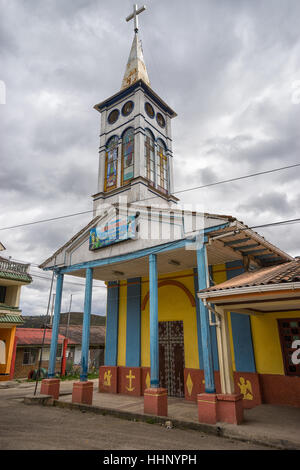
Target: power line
{"points": [[252, 175], [66, 282]]}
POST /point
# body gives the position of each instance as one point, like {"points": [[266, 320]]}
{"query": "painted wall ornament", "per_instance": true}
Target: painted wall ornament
{"points": [[245, 388]]}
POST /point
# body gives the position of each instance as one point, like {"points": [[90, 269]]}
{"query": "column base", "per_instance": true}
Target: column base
{"points": [[108, 379], [207, 407], [226, 408], [83, 392], [230, 408], [50, 387], [156, 401]]}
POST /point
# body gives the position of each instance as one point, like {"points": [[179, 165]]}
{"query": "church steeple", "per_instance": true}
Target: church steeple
{"points": [[136, 68], [135, 153]]}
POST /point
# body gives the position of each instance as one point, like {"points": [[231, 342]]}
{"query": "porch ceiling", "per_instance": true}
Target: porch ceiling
{"points": [[170, 261], [255, 303]]}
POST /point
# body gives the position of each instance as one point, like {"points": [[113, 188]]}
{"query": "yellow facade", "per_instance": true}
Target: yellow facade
{"points": [[8, 335], [266, 342], [173, 305]]}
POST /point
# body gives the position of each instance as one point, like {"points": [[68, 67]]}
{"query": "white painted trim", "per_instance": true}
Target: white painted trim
{"points": [[249, 290]]}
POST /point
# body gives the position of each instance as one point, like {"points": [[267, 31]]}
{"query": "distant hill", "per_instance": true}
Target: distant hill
{"points": [[76, 318]]}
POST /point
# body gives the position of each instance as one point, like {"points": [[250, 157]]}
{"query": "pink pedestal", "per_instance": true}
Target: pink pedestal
{"points": [[50, 387], [156, 401], [230, 408], [213, 408], [82, 392], [207, 408]]}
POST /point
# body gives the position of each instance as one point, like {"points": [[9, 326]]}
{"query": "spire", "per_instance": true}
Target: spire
{"points": [[136, 68]]}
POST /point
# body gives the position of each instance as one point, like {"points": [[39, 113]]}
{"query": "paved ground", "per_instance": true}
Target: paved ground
{"points": [[24, 427]]}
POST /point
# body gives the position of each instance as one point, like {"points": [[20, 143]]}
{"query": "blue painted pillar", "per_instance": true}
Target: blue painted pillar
{"points": [[154, 347], [55, 325], [133, 326], [86, 325], [204, 323], [112, 324]]}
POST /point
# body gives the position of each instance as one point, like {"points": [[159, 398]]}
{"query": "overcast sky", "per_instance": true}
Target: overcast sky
{"points": [[231, 71]]}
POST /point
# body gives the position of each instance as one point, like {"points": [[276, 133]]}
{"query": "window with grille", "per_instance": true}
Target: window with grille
{"points": [[30, 356], [2, 294], [59, 351], [289, 331]]}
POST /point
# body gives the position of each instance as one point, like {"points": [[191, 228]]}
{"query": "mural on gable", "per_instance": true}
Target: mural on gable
{"points": [[117, 230]]}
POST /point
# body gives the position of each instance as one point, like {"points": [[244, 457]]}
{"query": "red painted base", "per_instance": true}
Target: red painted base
{"points": [[50, 387], [207, 408], [156, 401], [230, 409], [213, 408], [108, 379], [82, 393], [129, 380]]}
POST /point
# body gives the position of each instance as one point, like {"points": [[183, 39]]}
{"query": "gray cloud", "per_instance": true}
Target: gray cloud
{"points": [[227, 68]]}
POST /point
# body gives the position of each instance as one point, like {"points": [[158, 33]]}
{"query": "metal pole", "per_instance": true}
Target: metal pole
{"points": [[86, 325], [45, 327]]}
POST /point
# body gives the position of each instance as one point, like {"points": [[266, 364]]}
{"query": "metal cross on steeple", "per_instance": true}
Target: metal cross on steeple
{"points": [[134, 16]]}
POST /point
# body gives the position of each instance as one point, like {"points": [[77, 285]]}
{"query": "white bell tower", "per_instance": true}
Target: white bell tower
{"points": [[135, 153]]}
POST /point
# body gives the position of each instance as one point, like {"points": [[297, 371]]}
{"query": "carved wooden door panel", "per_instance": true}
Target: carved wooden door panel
{"points": [[171, 357]]}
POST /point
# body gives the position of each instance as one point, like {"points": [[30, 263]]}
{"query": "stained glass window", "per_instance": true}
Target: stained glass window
{"points": [[113, 116], [128, 155], [149, 156], [127, 108], [289, 331], [162, 167], [149, 110], [161, 120], [111, 164]]}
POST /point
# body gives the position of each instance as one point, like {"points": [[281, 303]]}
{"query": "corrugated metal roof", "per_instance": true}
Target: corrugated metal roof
{"points": [[283, 273], [34, 336], [10, 318], [15, 276], [97, 334]]}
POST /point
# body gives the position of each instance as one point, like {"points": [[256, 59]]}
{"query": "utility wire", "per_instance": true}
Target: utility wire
{"points": [[153, 197]]}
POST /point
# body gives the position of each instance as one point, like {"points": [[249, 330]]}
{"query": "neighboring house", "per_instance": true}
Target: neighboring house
{"points": [[96, 349], [28, 351], [12, 277], [269, 298]]}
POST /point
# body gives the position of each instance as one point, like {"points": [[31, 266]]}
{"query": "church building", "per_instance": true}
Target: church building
{"points": [[162, 338]]}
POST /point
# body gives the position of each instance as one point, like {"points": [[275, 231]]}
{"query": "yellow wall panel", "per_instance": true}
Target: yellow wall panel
{"points": [[173, 305], [266, 342]]}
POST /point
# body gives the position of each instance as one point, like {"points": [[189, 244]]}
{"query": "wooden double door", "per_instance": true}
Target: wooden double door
{"points": [[171, 357]]}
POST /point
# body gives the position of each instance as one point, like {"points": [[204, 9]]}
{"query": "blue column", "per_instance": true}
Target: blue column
{"points": [[241, 329], [86, 325], [112, 322], [204, 323], [154, 347], [55, 325], [133, 325]]}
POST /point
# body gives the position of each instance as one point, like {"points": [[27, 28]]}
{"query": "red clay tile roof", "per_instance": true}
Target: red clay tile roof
{"points": [[286, 272], [34, 336]]}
